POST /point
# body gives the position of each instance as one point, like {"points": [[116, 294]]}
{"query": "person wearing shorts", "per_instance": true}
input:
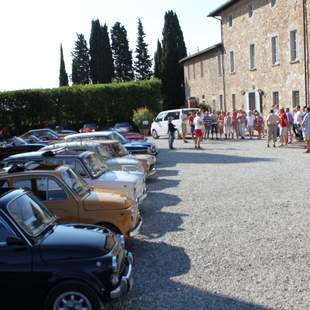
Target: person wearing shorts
{"points": [[198, 131], [283, 123]]}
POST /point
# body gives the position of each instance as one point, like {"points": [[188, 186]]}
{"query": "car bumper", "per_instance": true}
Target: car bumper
{"points": [[143, 196], [126, 281], [137, 229]]}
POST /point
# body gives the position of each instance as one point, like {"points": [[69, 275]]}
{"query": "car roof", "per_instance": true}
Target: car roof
{"points": [[46, 154], [176, 110], [91, 134]]}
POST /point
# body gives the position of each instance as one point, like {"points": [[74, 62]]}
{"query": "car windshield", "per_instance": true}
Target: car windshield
{"points": [[95, 166], [75, 182], [89, 125], [103, 151], [119, 149], [30, 214], [18, 141], [117, 136]]}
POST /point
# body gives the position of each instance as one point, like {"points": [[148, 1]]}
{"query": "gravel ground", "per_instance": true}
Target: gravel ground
{"points": [[226, 227]]}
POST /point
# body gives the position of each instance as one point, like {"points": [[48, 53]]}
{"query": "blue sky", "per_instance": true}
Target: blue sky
{"points": [[32, 30]]}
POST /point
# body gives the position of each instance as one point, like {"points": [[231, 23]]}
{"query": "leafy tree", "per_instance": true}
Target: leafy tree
{"points": [[101, 61], [173, 49], [108, 66], [80, 61], [63, 76], [158, 61], [143, 62], [121, 53], [95, 52]]}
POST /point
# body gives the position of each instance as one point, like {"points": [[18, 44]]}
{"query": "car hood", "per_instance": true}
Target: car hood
{"points": [[76, 241], [105, 199], [122, 161], [117, 176]]}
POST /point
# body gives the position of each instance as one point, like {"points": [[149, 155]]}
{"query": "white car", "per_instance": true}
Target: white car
{"points": [[159, 127]]}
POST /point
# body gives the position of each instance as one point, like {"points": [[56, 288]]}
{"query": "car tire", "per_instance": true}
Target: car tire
{"points": [[72, 291], [155, 134], [177, 135]]}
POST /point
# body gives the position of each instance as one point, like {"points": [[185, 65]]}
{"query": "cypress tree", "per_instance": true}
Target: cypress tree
{"points": [[80, 61], [158, 60], [63, 76], [108, 66], [121, 54], [143, 62], [173, 49], [95, 53]]}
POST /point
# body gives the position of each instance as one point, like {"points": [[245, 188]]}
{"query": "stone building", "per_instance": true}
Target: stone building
{"points": [[264, 53]]}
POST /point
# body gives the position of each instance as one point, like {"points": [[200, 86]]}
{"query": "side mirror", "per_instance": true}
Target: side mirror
{"points": [[15, 241]]}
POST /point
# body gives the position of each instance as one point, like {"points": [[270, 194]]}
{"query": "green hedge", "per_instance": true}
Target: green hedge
{"points": [[104, 104]]}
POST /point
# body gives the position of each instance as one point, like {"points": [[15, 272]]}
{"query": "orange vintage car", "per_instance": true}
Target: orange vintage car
{"points": [[73, 200]]}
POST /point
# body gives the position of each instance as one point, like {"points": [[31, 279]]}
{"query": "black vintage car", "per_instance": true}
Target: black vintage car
{"points": [[17, 145], [69, 266]]}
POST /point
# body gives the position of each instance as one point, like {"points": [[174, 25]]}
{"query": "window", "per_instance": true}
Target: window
{"points": [[250, 7], [221, 103], [273, 2], [22, 183], [232, 62], [159, 117], [194, 72], [252, 56], [233, 100], [275, 50], [293, 43], [213, 105], [230, 19], [219, 65], [295, 98], [275, 99], [76, 166], [188, 72], [174, 115], [4, 184], [5, 232], [201, 69]]}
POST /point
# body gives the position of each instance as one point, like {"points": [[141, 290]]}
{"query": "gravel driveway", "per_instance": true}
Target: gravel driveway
{"points": [[227, 227]]}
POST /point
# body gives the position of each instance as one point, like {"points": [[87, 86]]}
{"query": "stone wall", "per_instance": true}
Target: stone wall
{"points": [[265, 78], [202, 79]]}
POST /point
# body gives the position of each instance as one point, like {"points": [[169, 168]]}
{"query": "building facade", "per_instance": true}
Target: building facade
{"points": [[265, 56]]}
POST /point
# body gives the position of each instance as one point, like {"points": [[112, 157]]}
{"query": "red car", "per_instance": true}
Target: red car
{"points": [[134, 136], [89, 127]]}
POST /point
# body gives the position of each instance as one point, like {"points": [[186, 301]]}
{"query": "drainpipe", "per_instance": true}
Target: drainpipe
{"points": [[306, 51], [222, 60]]}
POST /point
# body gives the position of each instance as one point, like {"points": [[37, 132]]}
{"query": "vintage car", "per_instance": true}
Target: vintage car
{"points": [[44, 134], [17, 145], [89, 127], [133, 147], [129, 165], [68, 196], [60, 266], [116, 150], [90, 167]]}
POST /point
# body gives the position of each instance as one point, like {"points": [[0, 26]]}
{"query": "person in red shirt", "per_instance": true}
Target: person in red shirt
{"points": [[283, 124], [191, 124]]}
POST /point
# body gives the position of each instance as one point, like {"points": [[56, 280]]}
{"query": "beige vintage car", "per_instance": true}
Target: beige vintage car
{"points": [[73, 200]]}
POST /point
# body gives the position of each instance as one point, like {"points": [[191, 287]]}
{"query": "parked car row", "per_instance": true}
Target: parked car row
{"points": [[65, 210]]}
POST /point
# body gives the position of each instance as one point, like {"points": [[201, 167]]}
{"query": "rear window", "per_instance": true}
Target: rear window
{"points": [[174, 115]]}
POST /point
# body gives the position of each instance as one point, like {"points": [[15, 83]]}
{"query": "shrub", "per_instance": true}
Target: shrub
{"points": [[104, 104], [143, 118]]}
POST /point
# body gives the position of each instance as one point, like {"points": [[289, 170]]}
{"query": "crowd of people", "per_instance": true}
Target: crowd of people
{"points": [[280, 124]]}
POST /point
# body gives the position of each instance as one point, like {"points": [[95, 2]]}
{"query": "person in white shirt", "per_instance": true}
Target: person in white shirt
{"points": [[250, 123], [198, 132]]}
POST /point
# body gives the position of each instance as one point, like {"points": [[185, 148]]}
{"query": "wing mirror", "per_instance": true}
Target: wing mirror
{"points": [[15, 241]]}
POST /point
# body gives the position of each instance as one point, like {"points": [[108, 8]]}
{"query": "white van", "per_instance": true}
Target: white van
{"points": [[159, 126]]}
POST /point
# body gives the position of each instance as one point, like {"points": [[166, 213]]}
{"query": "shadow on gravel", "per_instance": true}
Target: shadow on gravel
{"points": [[203, 157], [156, 222], [167, 173], [157, 287], [161, 184]]}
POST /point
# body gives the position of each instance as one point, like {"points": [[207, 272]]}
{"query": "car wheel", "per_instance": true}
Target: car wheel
{"points": [[154, 134], [177, 135], [73, 295]]}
